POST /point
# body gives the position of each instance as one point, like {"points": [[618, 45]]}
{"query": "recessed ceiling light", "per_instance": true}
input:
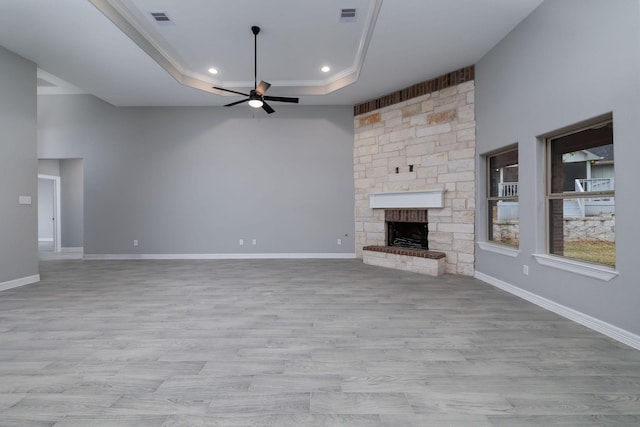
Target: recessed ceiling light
{"points": [[325, 69], [213, 70]]}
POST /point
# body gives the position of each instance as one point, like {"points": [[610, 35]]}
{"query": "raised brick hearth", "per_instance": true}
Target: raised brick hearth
{"points": [[415, 260], [420, 253]]}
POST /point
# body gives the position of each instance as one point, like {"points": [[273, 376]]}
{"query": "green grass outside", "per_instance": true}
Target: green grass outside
{"points": [[595, 251], [592, 251]]}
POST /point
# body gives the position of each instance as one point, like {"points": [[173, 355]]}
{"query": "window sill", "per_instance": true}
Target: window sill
{"points": [[499, 249], [585, 269]]}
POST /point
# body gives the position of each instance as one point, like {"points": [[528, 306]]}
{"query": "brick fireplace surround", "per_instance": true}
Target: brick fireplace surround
{"points": [[410, 141]]}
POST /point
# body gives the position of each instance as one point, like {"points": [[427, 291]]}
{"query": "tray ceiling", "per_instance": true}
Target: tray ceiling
{"points": [[189, 38], [114, 50]]}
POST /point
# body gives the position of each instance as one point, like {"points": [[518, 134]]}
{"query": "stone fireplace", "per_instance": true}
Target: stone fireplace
{"points": [[414, 162]]}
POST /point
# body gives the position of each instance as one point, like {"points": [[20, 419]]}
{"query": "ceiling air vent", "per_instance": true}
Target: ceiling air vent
{"points": [[348, 15], [161, 17]]}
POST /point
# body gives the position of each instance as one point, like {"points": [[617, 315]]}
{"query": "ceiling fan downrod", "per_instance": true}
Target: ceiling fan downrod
{"points": [[255, 30]]}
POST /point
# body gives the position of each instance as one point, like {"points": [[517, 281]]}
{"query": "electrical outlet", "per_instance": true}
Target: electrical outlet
{"points": [[241, 242], [525, 270], [254, 242], [339, 241], [135, 243]]}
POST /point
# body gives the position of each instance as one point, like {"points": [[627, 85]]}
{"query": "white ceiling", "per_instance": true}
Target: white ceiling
{"points": [[393, 44]]}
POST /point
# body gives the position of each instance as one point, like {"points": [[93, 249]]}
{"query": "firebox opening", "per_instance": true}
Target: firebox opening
{"points": [[408, 235]]}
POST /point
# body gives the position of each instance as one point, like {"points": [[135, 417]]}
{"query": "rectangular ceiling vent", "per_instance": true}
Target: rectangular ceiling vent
{"points": [[348, 15], [161, 18]]}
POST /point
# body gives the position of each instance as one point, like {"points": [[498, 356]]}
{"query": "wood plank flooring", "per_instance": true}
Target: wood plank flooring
{"points": [[297, 343]]}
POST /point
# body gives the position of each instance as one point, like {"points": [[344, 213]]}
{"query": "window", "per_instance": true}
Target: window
{"points": [[502, 197], [581, 194]]}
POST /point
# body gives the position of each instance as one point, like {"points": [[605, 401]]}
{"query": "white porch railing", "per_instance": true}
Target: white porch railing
{"points": [[580, 201], [507, 210], [508, 189], [595, 184]]}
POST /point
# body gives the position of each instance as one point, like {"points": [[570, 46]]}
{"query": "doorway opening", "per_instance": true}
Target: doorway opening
{"points": [[60, 208], [49, 228]]}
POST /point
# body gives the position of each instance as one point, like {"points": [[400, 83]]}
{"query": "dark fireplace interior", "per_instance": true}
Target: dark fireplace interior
{"points": [[407, 228], [408, 235]]}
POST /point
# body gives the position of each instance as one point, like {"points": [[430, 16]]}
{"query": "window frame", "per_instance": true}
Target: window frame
{"points": [[550, 195], [489, 199]]}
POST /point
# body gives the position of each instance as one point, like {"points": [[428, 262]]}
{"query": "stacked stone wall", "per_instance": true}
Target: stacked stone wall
{"points": [[601, 227], [424, 143]]}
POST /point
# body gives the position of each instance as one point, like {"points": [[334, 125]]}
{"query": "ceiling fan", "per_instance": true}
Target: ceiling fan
{"points": [[256, 97]]}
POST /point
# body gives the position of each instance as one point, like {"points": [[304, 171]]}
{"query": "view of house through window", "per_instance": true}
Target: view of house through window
{"points": [[502, 197], [581, 195]]}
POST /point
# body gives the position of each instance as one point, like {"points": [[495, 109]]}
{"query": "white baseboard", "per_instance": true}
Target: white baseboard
{"points": [[221, 256], [598, 325], [70, 249], [45, 239], [19, 282]]}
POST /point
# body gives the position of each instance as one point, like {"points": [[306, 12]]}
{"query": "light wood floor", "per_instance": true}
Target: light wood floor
{"points": [[297, 343]]}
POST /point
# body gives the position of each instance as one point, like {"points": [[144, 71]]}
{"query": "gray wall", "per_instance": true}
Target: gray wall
{"points": [[196, 180], [72, 202], [19, 166], [569, 61], [49, 167]]}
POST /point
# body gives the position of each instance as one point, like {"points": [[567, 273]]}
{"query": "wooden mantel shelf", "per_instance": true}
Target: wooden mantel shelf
{"points": [[424, 199]]}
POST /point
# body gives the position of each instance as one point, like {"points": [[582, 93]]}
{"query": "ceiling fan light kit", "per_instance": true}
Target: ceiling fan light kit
{"points": [[255, 103], [256, 97]]}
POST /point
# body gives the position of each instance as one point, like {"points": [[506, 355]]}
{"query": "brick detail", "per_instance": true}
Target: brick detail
{"points": [[556, 207], [406, 215], [420, 253], [453, 78]]}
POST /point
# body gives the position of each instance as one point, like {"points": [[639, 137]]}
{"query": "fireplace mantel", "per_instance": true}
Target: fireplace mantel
{"points": [[423, 199]]}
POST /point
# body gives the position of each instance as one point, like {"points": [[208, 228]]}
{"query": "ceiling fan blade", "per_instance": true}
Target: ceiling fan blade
{"points": [[232, 91], [237, 102], [281, 99], [262, 87], [266, 107]]}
